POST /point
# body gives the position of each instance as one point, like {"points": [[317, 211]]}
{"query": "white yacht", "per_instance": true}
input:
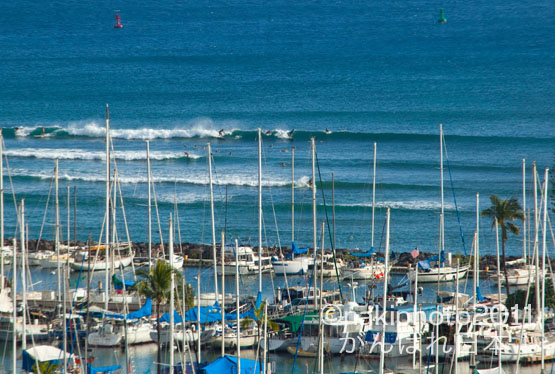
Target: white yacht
{"points": [[248, 262]]}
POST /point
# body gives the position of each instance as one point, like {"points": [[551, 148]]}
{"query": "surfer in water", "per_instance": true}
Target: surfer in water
{"points": [[187, 155], [268, 132], [327, 131], [290, 134], [221, 133]]}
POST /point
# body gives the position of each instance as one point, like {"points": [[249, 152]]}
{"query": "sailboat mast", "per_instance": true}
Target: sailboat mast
{"points": [[237, 306], [475, 298], [259, 213], [64, 311], [441, 183], [292, 195], [313, 148], [14, 306], [536, 238], [333, 210], [68, 217], [384, 304], [456, 337], [265, 353], [172, 286], [544, 249], [199, 351], [499, 289], [149, 205], [373, 193], [477, 244], [1, 212], [223, 293], [57, 233], [107, 240], [213, 222], [321, 302], [524, 254], [23, 277]]}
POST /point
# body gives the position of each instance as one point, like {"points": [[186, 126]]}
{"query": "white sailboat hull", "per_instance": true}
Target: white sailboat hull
{"points": [[102, 265], [139, 334], [445, 274], [292, 267], [99, 339]]}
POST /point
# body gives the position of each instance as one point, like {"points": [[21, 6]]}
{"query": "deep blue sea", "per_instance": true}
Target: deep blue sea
{"points": [[179, 72]]}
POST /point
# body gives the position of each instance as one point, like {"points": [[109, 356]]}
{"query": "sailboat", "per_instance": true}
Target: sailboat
{"points": [[292, 265], [527, 273], [442, 271]]}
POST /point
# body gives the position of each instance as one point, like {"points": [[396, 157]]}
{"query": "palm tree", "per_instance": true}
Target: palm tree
{"points": [[156, 284], [46, 367], [505, 211]]}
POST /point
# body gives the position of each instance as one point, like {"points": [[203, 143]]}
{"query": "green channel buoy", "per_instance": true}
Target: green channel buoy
{"points": [[442, 18]]}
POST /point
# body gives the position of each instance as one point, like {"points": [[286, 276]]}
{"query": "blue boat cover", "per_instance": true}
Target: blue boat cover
{"points": [[118, 284], [103, 369], [145, 311], [176, 317], [210, 314], [479, 294], [296, 250], [441, 258], [368, 253], [228, 364], [424, 264]]}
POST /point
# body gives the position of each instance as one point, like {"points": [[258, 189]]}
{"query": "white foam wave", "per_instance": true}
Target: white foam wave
{"points": [[24, 130], [232, 180], [303, 182], [407, 205], [198, 128], [189, 198], [282, 134], [81, 154]]}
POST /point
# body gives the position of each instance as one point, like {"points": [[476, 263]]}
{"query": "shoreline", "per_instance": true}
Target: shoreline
{"points": [[192, 252]]}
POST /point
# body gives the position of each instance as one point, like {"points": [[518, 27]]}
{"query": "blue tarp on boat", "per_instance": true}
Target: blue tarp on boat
{"points": [[298, 251], [210, 314], [368, 253], [103, 369], [176, 317], [441, 257], [118, 284], [145, 311], [228, 364]]}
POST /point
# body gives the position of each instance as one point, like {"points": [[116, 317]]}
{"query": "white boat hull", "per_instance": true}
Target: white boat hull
{"points": [[445, 274], [293, 267], [102, 265], [99, 339], [139, 334]]}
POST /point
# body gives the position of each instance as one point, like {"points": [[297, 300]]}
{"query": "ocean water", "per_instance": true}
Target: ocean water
{"points": [[179, 72]]}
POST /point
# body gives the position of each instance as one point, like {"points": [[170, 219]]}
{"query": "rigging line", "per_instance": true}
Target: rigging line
{"points": [[276, 224], [157, 214], [122, 208], [328, 224], [454, 197], [177, 216], [11, 185], [304, 313], [44, 216]]}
